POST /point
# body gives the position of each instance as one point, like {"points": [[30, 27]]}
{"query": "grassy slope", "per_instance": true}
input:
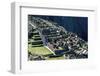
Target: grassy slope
{"points": [[41, 50]]}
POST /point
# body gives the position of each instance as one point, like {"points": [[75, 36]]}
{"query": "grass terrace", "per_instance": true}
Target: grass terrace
{"points": [[39, 50], [56, 58]]}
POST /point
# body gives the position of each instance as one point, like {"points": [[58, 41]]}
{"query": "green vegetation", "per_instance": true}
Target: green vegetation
{"points": [[41, 50], [56, 58]]}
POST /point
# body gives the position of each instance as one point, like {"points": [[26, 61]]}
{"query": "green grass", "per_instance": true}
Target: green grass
{"points": [[37, 45], [56, 58], [41, 50], [60, 48]]}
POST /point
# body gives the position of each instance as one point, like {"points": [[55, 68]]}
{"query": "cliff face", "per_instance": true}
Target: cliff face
{"points": [[78, 25]]}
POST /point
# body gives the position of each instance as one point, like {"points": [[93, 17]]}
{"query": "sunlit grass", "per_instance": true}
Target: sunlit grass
{"points": [[41, 50]]}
